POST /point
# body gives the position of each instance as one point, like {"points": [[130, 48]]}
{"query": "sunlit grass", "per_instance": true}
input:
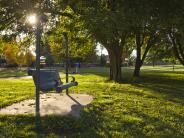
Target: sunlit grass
{"points": [[149, 106], [15, 90]]}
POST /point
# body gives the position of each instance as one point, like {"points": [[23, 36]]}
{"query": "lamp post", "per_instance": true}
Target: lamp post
{"points": [[38, 37], [67, 60], [35, 20]]}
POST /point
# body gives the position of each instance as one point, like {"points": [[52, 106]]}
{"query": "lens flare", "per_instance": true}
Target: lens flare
{"points": [[32, 19]]}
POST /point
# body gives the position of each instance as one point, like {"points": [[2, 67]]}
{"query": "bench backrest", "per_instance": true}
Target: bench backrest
{"points": [[49, 79]]}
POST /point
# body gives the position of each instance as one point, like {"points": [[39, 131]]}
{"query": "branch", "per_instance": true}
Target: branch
{"points": [[181, 51], [58, 13], [6, 24], [175, 49], [180, 48], [143, 36], [148, 46], [123, 39], [152, 40]]}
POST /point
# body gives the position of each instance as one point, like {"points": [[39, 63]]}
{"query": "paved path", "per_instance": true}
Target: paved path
{"points": [[12, 78], [51, 103]]}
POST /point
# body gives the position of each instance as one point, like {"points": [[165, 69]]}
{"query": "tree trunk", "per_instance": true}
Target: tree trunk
{"points": [[153, 62], [177, 54], [176, 51], [137, 68], [115, 64], [154, 59], [138, 56], [173, 65], [139, 60]]}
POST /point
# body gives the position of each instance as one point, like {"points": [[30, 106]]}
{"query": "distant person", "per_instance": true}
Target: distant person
{"points": [[77, 67]]}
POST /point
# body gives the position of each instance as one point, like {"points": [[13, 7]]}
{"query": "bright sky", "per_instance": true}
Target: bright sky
{"points": [[134, 53], [98, 48], [104, 51]]}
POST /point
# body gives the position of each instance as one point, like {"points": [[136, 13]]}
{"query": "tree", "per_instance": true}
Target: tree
{"points": [[14, 13], [110, 22], [161, 52], [128, 49], [29, 58], [102, 61], [18, 53], [14, 18], [148, 19], [106, 22], [144, 28], [1, 46], [147, 41], [49, 61], [171, 20], [10, 52], [81, 44], [178, 46]]}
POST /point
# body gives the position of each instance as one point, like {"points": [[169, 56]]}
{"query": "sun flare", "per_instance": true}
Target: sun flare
{"points": [[32, 19]]}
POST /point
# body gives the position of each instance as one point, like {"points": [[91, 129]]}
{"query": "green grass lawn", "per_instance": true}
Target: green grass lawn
{"points": [[149, 106]]}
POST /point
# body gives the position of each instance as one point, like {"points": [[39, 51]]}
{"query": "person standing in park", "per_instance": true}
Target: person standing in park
{"points": [[77, 67]]}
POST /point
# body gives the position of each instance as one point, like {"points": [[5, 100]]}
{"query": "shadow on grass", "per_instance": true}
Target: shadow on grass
{"points": [[170, 89], [50, 126], [104, 124], [160, 85], [155, 126], [107, 125], [92, 123], [96, 121]]}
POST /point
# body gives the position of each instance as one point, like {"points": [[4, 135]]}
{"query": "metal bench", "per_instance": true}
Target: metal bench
{"points": [[50, 80]]}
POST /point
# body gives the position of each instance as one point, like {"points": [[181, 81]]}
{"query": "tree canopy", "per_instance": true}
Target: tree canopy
{"points": [[150, 24]]}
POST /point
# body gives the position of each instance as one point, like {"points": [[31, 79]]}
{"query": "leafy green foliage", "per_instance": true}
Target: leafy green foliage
{"points": [[160, 52], [178, 45], [10, 51], [81, 44], [1, 46], [17, 53], [110, 22]]}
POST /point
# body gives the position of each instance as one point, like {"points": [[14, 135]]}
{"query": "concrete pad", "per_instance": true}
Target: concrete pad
{"points": [[51, 103], [13, 78]]}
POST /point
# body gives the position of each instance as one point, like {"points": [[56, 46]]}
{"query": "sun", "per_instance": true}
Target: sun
{"points": [[32, 19]]}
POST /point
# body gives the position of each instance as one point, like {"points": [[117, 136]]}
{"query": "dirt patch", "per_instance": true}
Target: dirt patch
{"points": [[51, 103]]}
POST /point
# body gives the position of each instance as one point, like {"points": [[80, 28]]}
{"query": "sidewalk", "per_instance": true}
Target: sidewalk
{"points": [[18, 77]]}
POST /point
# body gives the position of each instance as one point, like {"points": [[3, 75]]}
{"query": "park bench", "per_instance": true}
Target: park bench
{"points": [[50, 80]]}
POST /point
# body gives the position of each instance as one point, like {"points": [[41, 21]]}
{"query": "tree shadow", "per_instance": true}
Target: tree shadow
{"points": [[68, 125], [27, 126], [169, 89], [101, 122], [96, 122]]}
